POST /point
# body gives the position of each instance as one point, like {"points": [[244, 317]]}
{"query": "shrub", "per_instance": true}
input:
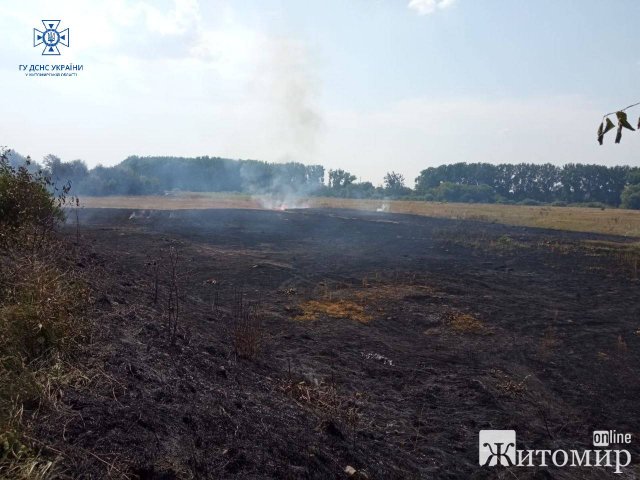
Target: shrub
{"points": [[599, 205], [41, 302], [27, 206], [631, 197], [454, 192], [428, 197], [530, 201]]}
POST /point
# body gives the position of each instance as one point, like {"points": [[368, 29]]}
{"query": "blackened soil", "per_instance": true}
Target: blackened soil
{"points": [[472, 326]]}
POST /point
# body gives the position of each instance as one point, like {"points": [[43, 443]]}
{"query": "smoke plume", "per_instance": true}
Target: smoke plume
{"points": [[288, 82]]}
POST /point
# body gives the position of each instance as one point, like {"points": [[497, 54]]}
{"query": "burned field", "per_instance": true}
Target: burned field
{"points": [[262, 344]]}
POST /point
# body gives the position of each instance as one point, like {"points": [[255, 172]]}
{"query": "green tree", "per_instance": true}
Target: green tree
{"points": [[339, 179], [631, 197], [394, 184]]}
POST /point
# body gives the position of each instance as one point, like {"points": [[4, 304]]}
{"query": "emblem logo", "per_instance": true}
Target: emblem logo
{"points": [[51, 37]]}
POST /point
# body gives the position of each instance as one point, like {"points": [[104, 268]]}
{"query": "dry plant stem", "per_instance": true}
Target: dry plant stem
{"points": [[247, 328], [77, 226], [156, 266], [173, 301]]}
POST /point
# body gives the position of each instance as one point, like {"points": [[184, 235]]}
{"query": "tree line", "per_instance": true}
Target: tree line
{"points": [[525, 183], [528, 183]]}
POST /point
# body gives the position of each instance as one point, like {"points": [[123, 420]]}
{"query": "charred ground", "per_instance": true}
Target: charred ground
{"points": [[387, 342]]}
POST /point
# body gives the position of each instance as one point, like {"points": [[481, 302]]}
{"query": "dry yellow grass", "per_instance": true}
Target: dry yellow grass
{"points": [[466, 323], [609, 221], [359, 304], [580, 219], [313, 309], [185, 201], [510, 386]]}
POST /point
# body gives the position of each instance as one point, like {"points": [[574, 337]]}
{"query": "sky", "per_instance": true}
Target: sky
{"points": [[369, 86]]}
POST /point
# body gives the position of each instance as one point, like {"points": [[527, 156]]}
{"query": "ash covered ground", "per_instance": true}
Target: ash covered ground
{"points": [[383, 342]]}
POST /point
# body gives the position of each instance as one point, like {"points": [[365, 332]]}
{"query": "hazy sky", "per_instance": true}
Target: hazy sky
{"points": [[366, 85]]}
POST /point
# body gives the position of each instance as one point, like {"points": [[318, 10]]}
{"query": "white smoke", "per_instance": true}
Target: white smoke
{"points": [[384, 207], [289, 86], [282, 202]]}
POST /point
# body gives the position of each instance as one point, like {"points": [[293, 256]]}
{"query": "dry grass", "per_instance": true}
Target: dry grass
{"points": [[42, 311], [328, 403], [247, 329], [609, 221], [21, 461], [466, 323], [41, 306], [362, 303], [341, 309], [184, 201], [509, 386], [321, 396], [248, 337]]}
